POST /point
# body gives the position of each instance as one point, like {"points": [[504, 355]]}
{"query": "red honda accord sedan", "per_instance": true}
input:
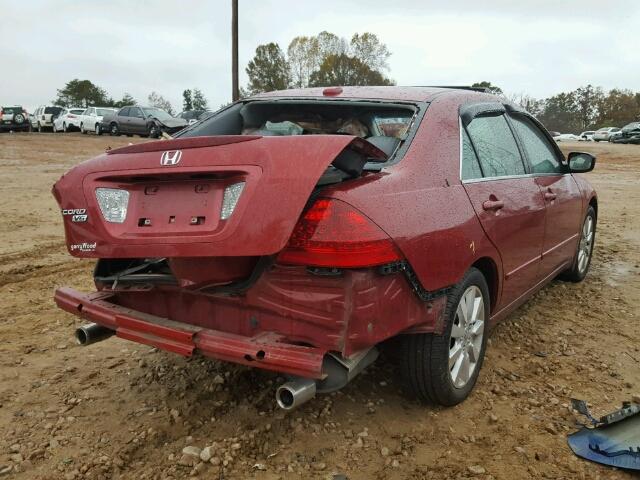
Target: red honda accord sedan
{"points": [[297, 231]]}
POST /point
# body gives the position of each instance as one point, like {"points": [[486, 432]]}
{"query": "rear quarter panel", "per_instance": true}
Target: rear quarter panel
{"points": [[421, 203]]}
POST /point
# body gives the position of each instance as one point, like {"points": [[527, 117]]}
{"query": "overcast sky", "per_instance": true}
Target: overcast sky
{"points": [[540, 48]]}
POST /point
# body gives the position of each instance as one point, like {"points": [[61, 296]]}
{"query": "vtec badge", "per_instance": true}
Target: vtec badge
{"points": [[170, 158], [77, 215]]}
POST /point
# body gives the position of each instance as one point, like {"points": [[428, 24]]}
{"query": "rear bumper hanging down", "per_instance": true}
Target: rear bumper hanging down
{"points": [[265, 350]]}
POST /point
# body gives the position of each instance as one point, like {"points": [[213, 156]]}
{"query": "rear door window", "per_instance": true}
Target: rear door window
{"points": [[541, 155], [470, 169], [124, 112], [496, 147]]}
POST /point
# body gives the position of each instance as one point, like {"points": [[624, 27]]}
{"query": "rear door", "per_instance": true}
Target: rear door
{"points": [[562, 196], [123, 120], [506, 199], [137, 123]]}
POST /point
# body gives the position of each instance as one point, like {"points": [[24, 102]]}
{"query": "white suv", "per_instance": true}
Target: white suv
{"points": [[69, 119], [91, 119], [44, 116]]}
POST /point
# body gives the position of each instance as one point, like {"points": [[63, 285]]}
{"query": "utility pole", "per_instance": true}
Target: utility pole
{"points": [[235, 88]]}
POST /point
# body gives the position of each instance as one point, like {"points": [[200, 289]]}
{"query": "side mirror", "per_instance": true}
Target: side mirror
{"points": [[581, 162]]}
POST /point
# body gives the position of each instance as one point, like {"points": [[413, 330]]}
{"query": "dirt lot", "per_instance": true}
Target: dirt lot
{"points": [[122, 410]]}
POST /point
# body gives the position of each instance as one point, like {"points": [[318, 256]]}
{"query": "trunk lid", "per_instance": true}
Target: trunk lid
{"points": [[176, 190]]}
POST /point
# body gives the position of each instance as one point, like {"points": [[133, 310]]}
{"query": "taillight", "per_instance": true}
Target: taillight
{"points": [[334, 234]]}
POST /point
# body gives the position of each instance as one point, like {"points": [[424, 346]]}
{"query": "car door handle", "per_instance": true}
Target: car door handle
{"points": [[493, 205], [550, 196]]}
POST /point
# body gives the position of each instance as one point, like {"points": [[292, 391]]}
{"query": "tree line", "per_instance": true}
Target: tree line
{"points": [[585, 108], [326, 59], [84, 93], [318, 61]]}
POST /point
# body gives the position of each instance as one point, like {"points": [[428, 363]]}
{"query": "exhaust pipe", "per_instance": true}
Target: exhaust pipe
{"points": [[296, 392], [92, 333], [338, 372]]}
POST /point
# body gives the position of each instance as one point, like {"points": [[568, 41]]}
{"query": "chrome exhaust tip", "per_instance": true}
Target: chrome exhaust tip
{"points": [[92, 333], [294, 393]]}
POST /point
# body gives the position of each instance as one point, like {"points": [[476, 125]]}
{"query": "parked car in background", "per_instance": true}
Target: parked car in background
{"points": [[144, 121], [615, 136], [604, 134], [630, 133], [91, 119], [290, 232], [68, 120], [44, 116], [14, 119], [587, 136], [192, 116], [566, 137]]}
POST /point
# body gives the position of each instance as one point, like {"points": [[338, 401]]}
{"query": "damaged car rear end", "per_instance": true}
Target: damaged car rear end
{"points": [[296, 231], [237, 245]]}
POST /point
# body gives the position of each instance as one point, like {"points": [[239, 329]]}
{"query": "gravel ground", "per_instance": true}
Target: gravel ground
{"points": [[118, 410]]}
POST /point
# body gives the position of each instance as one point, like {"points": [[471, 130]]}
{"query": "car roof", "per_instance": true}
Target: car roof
{"points": [[411, 94]]}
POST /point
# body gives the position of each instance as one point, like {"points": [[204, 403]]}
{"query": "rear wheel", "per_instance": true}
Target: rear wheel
{"points": [[584, 252], [113, 129], [54, 128], [64, 127], [443, 369], [82, 130], [98, 130]]}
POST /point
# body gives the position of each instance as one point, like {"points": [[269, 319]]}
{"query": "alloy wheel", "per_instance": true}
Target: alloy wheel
{"points": [[467, 334], [586, 244]]}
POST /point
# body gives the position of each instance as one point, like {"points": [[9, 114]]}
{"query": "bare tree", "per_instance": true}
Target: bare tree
{"points": [[158, 101]]}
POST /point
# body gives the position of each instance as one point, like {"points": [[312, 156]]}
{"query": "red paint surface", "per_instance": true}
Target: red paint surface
{"points": [[438, 225]]}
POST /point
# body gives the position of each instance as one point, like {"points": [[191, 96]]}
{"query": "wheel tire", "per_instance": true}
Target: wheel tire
{"points": [[98, 130], [64, 127], [82, 130], [39, 127], [154, 132], [54, 129], [584, 250], [425, 357], [114, 130]]}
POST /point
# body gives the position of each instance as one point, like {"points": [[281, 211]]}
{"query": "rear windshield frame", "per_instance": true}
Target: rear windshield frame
{"points": [[419, 109]]}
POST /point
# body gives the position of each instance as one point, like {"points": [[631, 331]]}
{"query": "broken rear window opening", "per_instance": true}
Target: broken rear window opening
{"points": [[389, 126]]}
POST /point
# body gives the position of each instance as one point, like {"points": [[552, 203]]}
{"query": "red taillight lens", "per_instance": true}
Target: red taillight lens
{"points": [[334, 234]]}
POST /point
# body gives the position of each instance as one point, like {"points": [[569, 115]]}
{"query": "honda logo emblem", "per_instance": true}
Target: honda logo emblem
{"points": [[170, 158]]}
